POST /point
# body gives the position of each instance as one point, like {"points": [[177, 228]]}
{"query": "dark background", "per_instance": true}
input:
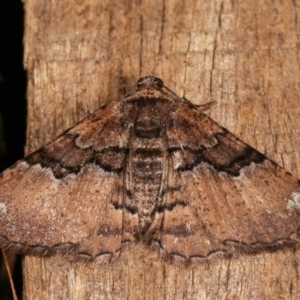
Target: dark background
{"points": [[12, 108]]}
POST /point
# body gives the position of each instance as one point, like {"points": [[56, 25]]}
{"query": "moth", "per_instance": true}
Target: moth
{"points": [[150, 168]]}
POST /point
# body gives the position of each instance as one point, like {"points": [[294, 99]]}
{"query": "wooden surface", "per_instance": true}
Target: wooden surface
{"points": [[242, 54]]}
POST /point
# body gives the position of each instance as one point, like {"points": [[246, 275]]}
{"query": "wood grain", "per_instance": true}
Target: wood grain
{"points": [[81, 54]]}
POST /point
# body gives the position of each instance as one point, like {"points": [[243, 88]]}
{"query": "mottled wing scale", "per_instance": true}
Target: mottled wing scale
{"points": [[150, 168], [231, 197], [60, 198]]}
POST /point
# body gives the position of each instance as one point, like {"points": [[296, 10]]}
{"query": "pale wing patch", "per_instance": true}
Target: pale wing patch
{"points": [[3, 208], [294, 201]]}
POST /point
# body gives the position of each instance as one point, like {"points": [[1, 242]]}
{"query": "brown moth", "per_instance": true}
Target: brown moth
{"points": [[150, 168]]}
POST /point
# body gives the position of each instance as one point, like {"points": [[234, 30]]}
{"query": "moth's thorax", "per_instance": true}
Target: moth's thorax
{"points": [[148, 111]]}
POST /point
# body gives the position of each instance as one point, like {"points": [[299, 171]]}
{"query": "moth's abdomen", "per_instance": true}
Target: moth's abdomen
{"points": [[144, 179], [147, 171]]}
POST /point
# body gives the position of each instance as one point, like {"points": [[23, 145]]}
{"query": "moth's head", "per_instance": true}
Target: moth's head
{"points": [[147, 91], [150, 82]]}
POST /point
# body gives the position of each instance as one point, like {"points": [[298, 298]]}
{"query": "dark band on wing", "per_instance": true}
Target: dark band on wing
{"points": [[221, 157], [109, 159]]}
